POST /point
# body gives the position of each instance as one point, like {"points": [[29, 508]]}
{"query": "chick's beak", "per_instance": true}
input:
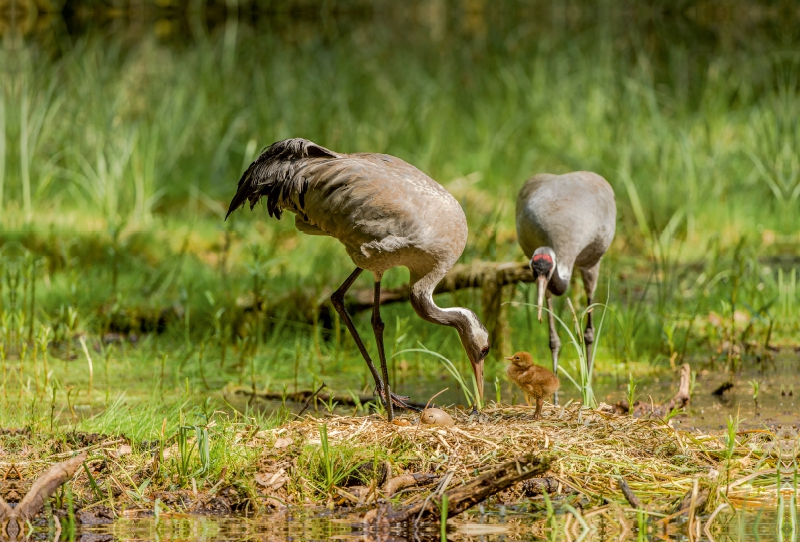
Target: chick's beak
{"points": [[541, 287], [509, 358]]}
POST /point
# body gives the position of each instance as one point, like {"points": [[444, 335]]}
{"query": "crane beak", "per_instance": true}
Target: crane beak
{"points": [[478, 368], [541, 287]]}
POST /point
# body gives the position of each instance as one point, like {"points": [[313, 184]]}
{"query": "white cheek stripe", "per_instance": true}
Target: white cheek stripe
{"points": [[563, 272]]}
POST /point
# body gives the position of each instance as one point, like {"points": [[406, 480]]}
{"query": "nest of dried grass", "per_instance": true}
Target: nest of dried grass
{"points": [[591, 449]]}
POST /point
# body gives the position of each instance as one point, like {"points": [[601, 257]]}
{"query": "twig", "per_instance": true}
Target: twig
{"points": [[311, 398], [434, 397], [91, 447], [629, 495], [711, 518]]}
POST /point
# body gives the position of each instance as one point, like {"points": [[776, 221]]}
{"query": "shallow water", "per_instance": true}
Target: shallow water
{"points": [[491, 524], [777, 403]]}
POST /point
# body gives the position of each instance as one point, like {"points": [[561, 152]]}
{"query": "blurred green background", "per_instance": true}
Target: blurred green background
{"points": [[126, 125]]}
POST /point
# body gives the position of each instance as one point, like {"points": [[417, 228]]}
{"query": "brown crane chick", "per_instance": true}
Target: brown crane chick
{"points": [[533, 380]]}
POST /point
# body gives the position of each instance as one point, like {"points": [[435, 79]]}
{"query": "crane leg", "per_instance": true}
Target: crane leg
{"points": [[337, 299], [555, 342], [589, 277], [377, 328]]}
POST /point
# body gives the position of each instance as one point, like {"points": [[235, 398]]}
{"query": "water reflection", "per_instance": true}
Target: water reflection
{"points": [[609, 522]]}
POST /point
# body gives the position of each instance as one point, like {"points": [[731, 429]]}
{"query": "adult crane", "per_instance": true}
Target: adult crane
{"points": [[386, 213], [563, 222]]}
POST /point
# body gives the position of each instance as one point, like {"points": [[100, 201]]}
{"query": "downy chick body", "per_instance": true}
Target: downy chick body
{"points": [[535, 381]]}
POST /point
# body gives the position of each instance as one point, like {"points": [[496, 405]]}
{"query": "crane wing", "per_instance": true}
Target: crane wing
{"points": [[275, 174]]}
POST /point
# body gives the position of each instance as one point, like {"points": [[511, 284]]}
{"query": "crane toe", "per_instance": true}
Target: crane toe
{"points": [[401, 401]]}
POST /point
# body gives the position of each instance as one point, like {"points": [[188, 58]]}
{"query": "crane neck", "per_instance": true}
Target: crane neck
{"points": [[559, 282], [421, 297]]}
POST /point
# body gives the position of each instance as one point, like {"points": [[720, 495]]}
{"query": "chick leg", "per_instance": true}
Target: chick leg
{"points": [[539, 402]]}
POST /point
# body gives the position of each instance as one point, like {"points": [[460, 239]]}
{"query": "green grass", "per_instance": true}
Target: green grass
{"points": [[119, 156]]}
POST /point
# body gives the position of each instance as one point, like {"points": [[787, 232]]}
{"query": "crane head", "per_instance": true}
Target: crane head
{"points": [[475, 340], [543, 263]]}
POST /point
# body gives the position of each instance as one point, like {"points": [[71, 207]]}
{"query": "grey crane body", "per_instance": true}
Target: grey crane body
{"points": [[386, 213], [563, 222]]}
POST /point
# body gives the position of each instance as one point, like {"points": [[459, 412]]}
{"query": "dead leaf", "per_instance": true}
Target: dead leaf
{"points": [[121, 451], [271, 480], [283, 442]]}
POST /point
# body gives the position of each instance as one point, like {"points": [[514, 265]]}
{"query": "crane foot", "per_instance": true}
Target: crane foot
{"points": [[401, 401]]}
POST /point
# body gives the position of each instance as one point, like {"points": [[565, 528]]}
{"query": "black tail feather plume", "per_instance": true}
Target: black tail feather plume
{"points": [[274, 175]]}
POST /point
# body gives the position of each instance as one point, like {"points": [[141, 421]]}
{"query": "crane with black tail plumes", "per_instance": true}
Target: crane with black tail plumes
{"points": [[563, 222], [386, 213]]}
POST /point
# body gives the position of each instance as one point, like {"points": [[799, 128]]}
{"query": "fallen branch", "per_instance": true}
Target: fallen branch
{"points": [[460, 277], [303, 396], [491, 277], [45, 485], [467, 495], [13, 519], [536, 487]]}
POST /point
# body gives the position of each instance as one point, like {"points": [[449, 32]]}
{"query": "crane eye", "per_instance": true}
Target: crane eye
{"points": [[485, 350]]}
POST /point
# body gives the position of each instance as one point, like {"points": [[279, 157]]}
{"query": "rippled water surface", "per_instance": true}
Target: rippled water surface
{"points": [[495, 524]]}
